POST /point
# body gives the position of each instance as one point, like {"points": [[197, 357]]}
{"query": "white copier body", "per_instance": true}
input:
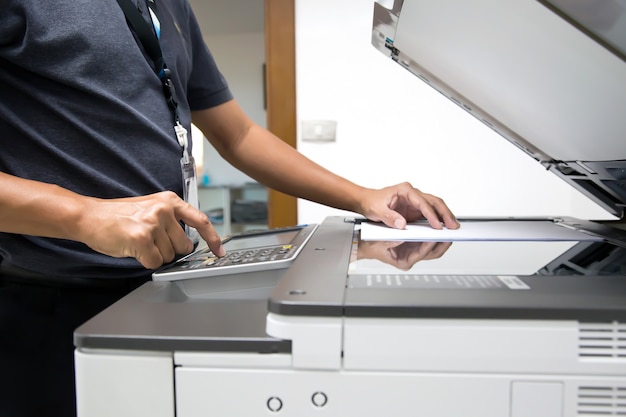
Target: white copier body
{"points": [[320, 338]]}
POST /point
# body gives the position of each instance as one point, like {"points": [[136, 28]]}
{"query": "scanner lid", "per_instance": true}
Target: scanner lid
{"points": [[547, 75]]}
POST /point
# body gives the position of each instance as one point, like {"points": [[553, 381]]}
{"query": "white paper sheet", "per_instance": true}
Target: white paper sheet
{"points": [[540, 230]]}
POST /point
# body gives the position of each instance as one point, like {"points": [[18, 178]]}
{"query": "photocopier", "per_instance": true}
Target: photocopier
{"points": [[533, 325]]}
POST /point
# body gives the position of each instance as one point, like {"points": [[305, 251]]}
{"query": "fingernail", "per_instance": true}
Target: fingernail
{"points": [[221, 252], [398, 224]]}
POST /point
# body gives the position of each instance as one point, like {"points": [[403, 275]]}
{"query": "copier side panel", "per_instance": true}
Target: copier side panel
{"points": [[258, 392], [544, 347], [124, 383]]}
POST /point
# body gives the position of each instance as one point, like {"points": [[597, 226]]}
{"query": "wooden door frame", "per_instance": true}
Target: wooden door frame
{"points": [[280, 81]]}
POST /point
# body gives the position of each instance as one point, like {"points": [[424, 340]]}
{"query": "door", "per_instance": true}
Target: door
{"points": [[280, 77]]}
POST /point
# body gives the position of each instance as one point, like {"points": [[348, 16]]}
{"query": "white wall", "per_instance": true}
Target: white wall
{"points": [[240, 57], [393, 127]]}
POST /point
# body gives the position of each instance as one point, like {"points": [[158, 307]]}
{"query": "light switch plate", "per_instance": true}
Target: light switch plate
{"points": [[319, 130]]}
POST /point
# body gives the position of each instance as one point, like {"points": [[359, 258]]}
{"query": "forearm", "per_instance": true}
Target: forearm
{"points": [[291, 172], [146, 228], [35, 208], [266, 158]]}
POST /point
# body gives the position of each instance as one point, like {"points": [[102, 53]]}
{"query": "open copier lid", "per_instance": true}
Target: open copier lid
{"points": [[548, 75]]}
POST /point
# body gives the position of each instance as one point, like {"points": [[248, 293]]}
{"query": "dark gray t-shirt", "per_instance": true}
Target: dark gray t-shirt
{"points": [[81, 107]]}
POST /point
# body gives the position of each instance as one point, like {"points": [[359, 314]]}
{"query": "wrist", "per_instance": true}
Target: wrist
{"points": [[360, 202], [73, 212]]}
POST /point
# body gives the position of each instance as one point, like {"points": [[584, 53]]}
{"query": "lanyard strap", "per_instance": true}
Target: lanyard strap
{"points": [[149, 39]]}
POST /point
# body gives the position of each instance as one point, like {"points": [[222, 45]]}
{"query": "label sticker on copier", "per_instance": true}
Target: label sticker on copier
{"points": [[513, 282], [439, 282]]}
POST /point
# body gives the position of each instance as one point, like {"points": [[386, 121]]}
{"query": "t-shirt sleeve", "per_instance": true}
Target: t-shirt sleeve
{"points": [[206, 87]]}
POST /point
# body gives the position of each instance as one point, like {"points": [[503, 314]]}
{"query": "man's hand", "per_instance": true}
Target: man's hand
{"points": [[402, 203], [146, 228]]}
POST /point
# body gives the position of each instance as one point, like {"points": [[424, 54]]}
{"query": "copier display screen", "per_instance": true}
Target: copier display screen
{"points": [[259, 241]]}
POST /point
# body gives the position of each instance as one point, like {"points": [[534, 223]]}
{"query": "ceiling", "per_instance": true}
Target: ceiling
{"points": [[229, 16]]}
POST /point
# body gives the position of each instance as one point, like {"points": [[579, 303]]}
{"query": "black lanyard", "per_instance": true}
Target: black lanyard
{"points": [[148, 38]]}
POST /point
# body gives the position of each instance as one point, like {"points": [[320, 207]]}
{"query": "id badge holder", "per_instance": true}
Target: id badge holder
{"points": [[190, 181]]}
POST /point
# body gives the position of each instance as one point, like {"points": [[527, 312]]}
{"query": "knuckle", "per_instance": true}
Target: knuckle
{"points": [[215, 239], [151, 263], [204, 219], [159, 207], [150, 258], [169, 195], [406, 186], [169, 257]]}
